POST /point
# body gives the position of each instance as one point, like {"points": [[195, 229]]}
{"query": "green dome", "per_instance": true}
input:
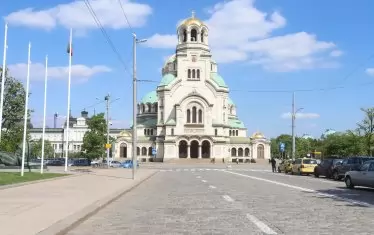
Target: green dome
{"points": [[230, 102], [236, 123], [151, 97], [167, 79], [218, 79], [171, 59]]}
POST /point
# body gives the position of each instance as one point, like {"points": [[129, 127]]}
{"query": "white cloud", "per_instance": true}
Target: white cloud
{"points": [[161, 41], [240, 32], [301, 115], [370, 71], [79, 72], [120, 123], [76, 15]]}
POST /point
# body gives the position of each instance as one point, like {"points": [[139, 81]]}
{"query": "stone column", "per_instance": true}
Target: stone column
{"points": [[188, 151], [199, 153]]}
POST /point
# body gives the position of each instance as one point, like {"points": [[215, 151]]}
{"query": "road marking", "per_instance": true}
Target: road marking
{"points": [[198, 177], [211, 186], [228, 198], [261, 225], [304, 189], [204, 181]]}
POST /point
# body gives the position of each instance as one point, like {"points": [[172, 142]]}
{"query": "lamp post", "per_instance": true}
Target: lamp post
{"points": [[294, 112], [134, 107]]}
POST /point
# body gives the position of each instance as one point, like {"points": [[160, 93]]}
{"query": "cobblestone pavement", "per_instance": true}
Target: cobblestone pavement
{"points": [[235, 201]]}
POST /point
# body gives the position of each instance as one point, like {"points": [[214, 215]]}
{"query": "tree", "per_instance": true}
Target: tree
{"points": [[366, 127], [13, 113], [36, 149], [94, 140]]}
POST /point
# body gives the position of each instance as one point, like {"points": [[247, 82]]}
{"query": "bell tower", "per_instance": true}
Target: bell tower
{"points": [[193, 52]]}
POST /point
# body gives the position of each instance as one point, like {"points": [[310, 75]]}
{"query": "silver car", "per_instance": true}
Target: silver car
{"points": [[364, 176]]}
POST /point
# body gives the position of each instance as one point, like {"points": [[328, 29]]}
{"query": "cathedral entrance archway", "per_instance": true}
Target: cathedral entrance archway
{"points": [[183, 149], [205, 149], [194, 149], [123, 150]]}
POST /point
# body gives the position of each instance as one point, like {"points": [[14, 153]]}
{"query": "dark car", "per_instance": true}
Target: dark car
{"points": [[326, 167], [348, 164]]}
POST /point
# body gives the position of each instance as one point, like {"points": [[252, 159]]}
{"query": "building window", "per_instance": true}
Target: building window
{"points": [[200, 116], [156, 108], [189, 73], [144, 151], [198, 73], [193, 114], [172, 131], [188, 116], [137, 151], [145, 131], [236, 132], [193, 35], [230, 133], [215, 132], [184, 35], [174, 66], [211, 67], [193, 73], [151, 131], [149, 108], [202, 35]]}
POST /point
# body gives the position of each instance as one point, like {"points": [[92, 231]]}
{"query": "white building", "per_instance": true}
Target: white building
{"points": [[190, 114]]}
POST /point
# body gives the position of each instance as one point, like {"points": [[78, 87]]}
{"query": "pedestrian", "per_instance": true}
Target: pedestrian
{"points": [[223, 160], [273, 164]]}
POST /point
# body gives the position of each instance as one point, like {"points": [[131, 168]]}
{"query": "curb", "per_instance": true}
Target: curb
{"points": [[67, 224], [37, 181]]}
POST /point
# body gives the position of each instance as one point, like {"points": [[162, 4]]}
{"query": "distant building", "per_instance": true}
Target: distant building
{"points": [[327, 133], [307, 136]]}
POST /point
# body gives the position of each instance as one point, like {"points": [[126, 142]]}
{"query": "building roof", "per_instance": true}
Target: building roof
{"points": [[192, 21], [230, 102], [147, 122], [218, 80], [150, 97], [167, 79], [258, 135], [235, 123], [240, 140], [171, 59]]}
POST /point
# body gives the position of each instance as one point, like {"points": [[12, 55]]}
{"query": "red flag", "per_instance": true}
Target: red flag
{"points": [[69, 50]]}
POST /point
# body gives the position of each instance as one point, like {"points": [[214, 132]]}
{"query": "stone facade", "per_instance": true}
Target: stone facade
{"points": [[190, 114]]}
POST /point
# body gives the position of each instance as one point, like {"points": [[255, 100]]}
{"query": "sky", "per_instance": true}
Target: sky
{"points": [[265, 50]]}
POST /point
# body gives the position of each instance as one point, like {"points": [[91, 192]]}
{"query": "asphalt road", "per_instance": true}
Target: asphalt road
{"points": [[241, 200]]}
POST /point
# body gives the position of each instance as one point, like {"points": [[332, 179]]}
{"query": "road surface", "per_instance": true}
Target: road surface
{"points": [[243, 200]]}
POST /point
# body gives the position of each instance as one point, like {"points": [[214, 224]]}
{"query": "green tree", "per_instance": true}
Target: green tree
{"points": [[36, 149], [303, 147], [366, 128], [13, 113], [94, 140]]}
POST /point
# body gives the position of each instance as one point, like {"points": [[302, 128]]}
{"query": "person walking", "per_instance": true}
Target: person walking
{"points": [[273, 164]]}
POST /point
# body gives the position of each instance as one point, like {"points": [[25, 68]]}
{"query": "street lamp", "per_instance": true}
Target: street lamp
{"points": [[294, 112], [134, 106]]}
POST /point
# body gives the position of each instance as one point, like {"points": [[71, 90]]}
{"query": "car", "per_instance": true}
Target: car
{"points": [[304, 166], [285, 166], [115, 164], [326, 167], [348, 164], [361, 176], [128, 164]]}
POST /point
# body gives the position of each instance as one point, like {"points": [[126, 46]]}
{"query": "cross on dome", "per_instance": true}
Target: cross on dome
{"points": [[193, 14]]}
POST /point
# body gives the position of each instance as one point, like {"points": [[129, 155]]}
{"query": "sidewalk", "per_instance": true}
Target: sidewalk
{"points": [[30, 209]]}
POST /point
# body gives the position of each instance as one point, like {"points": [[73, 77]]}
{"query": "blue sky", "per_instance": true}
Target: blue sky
{"points": [[263, 45]]}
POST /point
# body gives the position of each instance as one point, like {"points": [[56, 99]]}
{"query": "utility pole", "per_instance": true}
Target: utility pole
{"points": [[107, 98], [134, 107], [293, 126]]}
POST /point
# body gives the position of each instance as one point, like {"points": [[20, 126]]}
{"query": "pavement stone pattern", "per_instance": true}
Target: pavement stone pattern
{"points": [[32, 208], [234, 201]]}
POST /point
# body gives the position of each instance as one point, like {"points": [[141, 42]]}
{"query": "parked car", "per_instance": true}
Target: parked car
{"points": [[285, 166], [348, 164], [326, 167], [115, 164], [80, 162], [128, 164], [362, 176], [303, 166]]}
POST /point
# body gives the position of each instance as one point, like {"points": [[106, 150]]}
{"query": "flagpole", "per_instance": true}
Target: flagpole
{"points": [[25, 117], [68, 112], [3, 78], [45, 109]]}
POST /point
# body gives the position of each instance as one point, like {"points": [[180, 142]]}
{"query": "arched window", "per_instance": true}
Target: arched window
{"points": [[260, 151], [138, 108], [188, 116], [193, 73], [202, 35], [151, 131], [193, 35], [189, 73], [237, 133], [246, 152], [149, 151], [172, 131], [200, 116], [215, 132], [137, 151], [233, 152], [156, 108], [184, 35], [145, 131], [230, 132], [149, 108], [198, 73], [143, 108], [240, 152], [144, 151], [193, 114]]}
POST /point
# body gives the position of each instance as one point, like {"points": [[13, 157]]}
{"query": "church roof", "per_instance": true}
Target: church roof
{"points": [[231, 102], [171, 59], [192, 21], [236, 123], [218, 80], [167, 79], [150, 97]]}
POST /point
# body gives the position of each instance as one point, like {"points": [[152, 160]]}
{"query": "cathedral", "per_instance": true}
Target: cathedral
{"points": [[190, 114]]}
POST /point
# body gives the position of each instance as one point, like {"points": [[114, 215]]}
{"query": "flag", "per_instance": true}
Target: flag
{"points": [[69, 50]]}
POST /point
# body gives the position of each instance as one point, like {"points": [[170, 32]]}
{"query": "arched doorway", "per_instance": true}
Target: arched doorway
{"points": [[240, 152], [205, 149], [194, 149], [260, 151], [123, 150], [183, 149], [233, 152]]}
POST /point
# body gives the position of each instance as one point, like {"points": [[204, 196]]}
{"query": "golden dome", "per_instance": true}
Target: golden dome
{"points": [[258, 135], [192, 21], [125, 134]]}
